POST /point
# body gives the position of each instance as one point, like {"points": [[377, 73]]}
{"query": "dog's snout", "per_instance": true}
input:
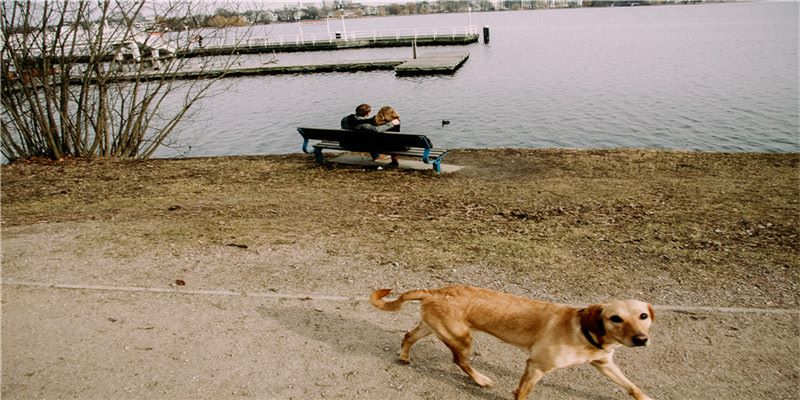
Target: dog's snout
{"points": [[639, 340]]}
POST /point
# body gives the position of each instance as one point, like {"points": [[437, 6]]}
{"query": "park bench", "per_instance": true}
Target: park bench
{"points": [[399, 144]]}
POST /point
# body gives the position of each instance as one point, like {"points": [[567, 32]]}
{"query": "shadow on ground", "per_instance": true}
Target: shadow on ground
{"points": [[430, 358]]}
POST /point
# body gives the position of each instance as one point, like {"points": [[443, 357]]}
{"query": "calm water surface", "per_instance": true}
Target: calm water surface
{"points": [[719, 77]]}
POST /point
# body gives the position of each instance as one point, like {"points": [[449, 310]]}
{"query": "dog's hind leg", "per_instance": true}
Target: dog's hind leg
{"points": [[412, 337], [460, 346]]}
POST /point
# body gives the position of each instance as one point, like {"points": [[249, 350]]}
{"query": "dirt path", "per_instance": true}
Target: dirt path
{"points": [[710, 239]]}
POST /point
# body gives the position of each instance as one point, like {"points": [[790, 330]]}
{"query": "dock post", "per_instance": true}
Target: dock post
{"points": [[486, 34], [414, 47]]}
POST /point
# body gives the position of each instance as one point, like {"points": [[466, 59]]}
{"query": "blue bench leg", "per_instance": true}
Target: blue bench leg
{"points": [[437, 166], [318, 155]]}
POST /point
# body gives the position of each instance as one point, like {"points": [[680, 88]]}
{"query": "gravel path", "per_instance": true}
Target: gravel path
{"points": [[248, 277]]}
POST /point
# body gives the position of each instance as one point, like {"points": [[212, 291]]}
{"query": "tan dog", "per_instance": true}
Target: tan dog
{"points": [[554, 335]]}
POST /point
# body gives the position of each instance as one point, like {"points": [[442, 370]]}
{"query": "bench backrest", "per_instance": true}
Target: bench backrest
{"points": [[366, 140]]}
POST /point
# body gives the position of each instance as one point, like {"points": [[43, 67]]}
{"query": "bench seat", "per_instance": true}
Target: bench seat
{"points": [[399, 144]]}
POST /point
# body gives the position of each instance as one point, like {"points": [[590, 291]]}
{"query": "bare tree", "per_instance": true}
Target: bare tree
{"points": [[96, 79]]}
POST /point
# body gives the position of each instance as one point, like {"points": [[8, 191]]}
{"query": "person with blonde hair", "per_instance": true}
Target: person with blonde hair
{"points": [[389, 121], [362, 121], [386, 115]]}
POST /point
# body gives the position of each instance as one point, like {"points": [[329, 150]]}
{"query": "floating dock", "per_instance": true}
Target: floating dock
{"points": [[238, 72], [439, 63], [429, 64]]}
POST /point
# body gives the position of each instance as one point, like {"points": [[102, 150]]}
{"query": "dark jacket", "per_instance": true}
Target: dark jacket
{"points": [[353, 123]]}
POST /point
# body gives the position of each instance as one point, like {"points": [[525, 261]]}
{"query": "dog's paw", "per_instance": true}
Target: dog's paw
{"points": [[483, 381]]}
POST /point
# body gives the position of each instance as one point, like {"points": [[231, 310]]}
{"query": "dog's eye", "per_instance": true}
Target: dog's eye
{"points": [[616, 319], [643, 316]]}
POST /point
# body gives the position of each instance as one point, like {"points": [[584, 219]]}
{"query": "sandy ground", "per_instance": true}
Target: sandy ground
{"points": [[278, 256]]}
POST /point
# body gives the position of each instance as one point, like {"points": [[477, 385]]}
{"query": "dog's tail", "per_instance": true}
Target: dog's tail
{"points": [[377, 299]]}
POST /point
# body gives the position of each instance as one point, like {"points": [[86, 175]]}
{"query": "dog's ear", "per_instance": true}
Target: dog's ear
{"points": [[652, 314], [592, 320]]}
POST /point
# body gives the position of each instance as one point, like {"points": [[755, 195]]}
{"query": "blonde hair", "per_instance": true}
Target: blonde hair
{"points": [[386, 114]]}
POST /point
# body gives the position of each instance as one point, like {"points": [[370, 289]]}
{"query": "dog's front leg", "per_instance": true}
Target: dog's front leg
{"points": [[533, 372], [610, 369]]}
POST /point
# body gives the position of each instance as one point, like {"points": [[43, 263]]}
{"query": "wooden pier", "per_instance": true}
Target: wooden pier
{"points": [[256, 46], [430, 64], [438, 63]]}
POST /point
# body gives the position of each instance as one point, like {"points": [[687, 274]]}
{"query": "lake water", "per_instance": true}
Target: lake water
{"points": [[717, 77]]}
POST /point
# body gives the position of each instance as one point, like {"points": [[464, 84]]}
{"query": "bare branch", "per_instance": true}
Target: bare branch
{"points": [[95, 79]]}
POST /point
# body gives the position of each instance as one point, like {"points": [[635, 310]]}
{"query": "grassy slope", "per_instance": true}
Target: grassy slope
{"points": [[679, 225]]}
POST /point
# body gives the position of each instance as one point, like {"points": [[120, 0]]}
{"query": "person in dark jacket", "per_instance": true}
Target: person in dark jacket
{"points": [[362, 121]]}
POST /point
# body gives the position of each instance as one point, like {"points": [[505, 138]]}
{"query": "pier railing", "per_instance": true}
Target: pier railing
{"points": [[345, 36]]}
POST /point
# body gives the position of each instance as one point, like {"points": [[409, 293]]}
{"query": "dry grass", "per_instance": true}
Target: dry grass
{"points": [[693, 226]]}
